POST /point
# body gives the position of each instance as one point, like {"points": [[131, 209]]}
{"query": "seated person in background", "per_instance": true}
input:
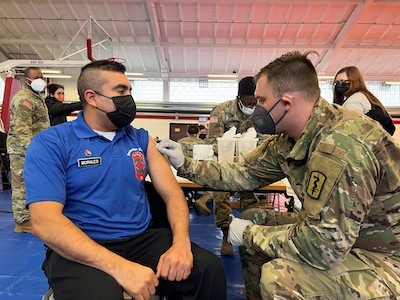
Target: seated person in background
{"points": [[345, 242], [351, 92], [191, 139], [90, 208], [203, 132], [58, 111]]}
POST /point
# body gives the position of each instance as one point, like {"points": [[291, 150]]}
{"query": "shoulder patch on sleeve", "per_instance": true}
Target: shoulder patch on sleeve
{"points": [[26, 104], [323, 176]]}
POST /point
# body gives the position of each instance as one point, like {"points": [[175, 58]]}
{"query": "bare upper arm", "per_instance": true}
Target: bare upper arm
{"points": [[160, 171], [42, 208]]}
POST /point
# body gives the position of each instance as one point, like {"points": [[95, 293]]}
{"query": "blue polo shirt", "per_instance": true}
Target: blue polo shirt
{"points": [[100, 182]]}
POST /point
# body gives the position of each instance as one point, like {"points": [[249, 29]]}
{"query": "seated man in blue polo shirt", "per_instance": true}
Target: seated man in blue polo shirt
{"points": [[87, 201]]}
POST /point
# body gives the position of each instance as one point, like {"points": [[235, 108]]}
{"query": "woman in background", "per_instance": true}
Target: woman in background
{"points": [[58, 111], [351, 92]]}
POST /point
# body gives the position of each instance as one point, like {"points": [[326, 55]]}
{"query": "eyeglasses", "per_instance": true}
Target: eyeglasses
{"points": [[341, 82]]}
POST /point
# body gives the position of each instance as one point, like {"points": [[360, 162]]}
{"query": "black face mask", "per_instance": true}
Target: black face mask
{"points": [[202, 136], [263, 121], [125, 111], [341, 88]]}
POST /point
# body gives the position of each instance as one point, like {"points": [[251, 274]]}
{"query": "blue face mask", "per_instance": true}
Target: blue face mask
{"points": [[248, 111], [262, 120]]}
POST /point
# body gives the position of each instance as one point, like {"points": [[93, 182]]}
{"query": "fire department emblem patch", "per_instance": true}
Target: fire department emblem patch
{"points": [[140, 166]]}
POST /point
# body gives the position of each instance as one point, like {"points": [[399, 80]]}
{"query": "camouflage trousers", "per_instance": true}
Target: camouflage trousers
{"points": [[18, 197], [222, 206], [362, 274]]}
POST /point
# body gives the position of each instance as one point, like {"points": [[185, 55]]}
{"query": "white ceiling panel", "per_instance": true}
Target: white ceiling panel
{"points": [[188, 38]]}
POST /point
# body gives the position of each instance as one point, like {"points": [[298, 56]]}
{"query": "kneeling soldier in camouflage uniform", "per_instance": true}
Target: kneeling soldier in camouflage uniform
{"points": [[343, 166]]}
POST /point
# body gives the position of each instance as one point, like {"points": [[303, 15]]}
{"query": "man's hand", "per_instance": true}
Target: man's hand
{"points": [[138, 281], [175, 264], [173, 151], [236, 229]]}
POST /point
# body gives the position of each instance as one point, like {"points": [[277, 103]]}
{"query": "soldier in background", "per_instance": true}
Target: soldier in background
{"points": [[345, 241], [191, 139], [203, 132], [28, 117], [187, 143], [223, 117]]}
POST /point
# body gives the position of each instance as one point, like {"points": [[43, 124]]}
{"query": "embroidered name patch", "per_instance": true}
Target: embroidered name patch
{"points": [[315, 184], [87, 162]]}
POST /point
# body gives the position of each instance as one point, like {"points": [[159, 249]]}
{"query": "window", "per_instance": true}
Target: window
{"points": [[147, 90], [389, 95], [202, 90]]}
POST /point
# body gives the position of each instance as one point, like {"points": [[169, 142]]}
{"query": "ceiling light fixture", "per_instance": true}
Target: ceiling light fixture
{"points": [[133, 74], [50, 71], [325, 77], [233, 76], [221, 80], [392, 82], [137, 78], [56, 76]]}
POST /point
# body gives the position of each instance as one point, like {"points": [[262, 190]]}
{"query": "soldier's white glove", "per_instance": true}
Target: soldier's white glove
{"points": [[236, 229], [173, 151]]}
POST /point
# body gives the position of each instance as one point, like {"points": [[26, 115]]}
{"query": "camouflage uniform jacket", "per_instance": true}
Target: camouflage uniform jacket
{"points": [[28, 117], [225, 116], [187, 144], [345, 170]]}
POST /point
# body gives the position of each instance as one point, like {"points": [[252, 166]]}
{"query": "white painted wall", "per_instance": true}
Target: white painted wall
{"points": [[157, 127]]}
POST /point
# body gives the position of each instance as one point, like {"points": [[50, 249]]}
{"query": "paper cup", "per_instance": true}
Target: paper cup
{"points": [[226, 149], [245, 146]]}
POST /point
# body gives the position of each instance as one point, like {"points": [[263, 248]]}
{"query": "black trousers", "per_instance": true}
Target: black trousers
{"points": [[75, 281]]}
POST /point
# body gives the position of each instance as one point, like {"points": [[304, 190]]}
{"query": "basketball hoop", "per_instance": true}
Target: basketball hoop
{"points": [[117, 59]]}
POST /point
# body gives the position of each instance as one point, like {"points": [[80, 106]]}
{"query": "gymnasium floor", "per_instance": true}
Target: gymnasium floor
{"points": [[21, 256]]}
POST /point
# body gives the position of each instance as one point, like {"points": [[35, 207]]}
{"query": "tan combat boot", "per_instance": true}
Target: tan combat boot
{"points": [[23, 227], [201, 205], [226, 247]]}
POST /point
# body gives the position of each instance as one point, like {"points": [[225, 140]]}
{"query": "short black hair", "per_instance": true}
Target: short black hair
{"points": [[89, 79], [193, 129], [28, 71], [247, 86]]}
